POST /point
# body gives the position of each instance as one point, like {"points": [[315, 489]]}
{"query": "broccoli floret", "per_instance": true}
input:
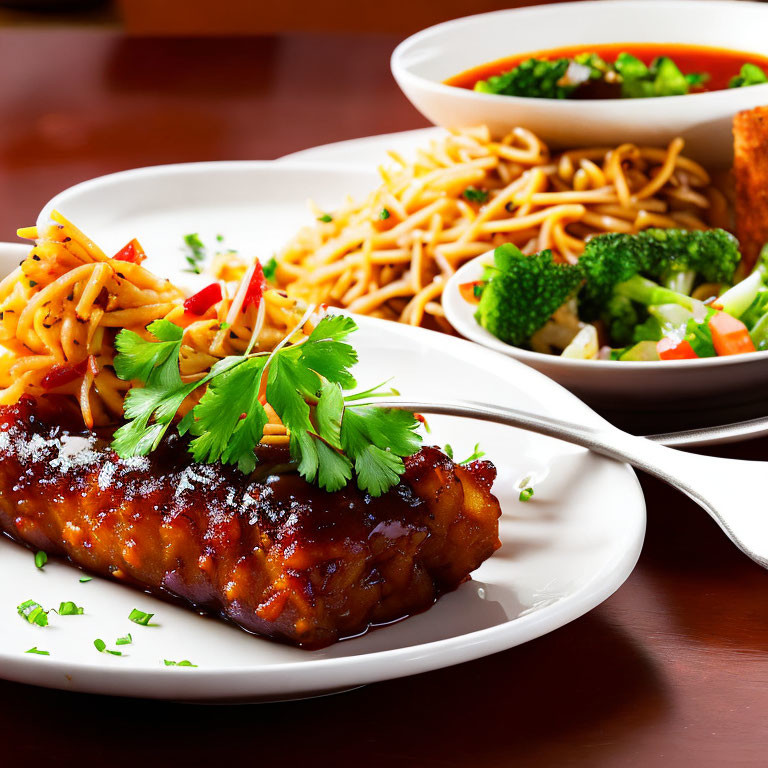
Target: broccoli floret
{"points": [[657, 254], [534, 78], [522, 292], [750, 74], [620, 317], [650, 330]]}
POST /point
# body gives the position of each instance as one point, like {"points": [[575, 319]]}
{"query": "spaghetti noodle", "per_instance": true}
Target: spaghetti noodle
{"points": [[61, 309], [391, 254]]}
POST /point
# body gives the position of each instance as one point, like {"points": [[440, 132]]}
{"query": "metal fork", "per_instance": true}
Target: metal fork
{"points": [[731, 490]]}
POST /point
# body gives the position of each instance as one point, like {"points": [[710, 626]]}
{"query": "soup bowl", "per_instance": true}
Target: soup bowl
{"points": [[620, 385], [424, 61]]}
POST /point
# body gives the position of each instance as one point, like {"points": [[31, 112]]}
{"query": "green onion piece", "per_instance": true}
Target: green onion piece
{"points": [[139, 617], [33, 612], [101, 647], [526, 494], [475, 195], [448, 451], [184, 663], [36, 650], [326, 217], [270, 269], [219, 238], [383, 214], [86, 579], [125, 640], [40, 559], [69, 608]]}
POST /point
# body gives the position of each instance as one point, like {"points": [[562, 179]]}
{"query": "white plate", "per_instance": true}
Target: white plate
{"points": [[425, 60], [255, 205], [739, 415], [646, 385], [562, 554]]}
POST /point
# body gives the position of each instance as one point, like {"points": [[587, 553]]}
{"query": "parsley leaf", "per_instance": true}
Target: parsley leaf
{"points": [[475, 195], [270, 270], [229, 419], [195, 252], [331, 434], [157, 364]]}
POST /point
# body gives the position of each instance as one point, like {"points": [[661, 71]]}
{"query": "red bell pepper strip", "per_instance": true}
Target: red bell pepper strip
{"points": [[729, 335], [202, 301], [256, 287], [62, 374], [670, 349], [132, 252]]}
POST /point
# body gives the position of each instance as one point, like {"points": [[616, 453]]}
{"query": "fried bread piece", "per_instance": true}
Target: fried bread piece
{"points": [[750, 169], [278, 556]]}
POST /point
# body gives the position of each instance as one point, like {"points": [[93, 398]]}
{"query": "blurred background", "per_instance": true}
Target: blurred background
{"points": [[90, 87], [248, 17]]}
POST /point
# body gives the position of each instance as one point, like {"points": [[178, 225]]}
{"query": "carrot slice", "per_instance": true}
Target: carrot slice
{"points": [[669, 349], [729, 335], [469, 291]]}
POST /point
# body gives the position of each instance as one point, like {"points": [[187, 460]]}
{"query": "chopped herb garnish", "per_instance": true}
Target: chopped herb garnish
{"points": [[195, 252], [219, 238], [139, 617], [32, 283], [331, 434], [40, 559], [475, 195], [223, 326], [33, 612], [325, 218], [36, 650], [270, 269], [474, 456], [69, 608], [185, 663], [526, 494], [85, 579], [125, 640], [384, 214], [448, 450], [101, 647]]}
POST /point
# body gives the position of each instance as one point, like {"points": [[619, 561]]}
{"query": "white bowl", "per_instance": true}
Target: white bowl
{"points": [[650, 385], [424, 61]]}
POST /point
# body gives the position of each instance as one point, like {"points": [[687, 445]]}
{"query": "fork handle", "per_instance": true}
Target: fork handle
{"points": [[726, 488]]}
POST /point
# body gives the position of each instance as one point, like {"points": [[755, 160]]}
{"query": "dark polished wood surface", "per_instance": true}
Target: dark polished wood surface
{"points": [[671, 670]]}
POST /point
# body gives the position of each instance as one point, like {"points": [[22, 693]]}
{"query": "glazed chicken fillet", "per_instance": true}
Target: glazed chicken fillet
{"points": [[274, 554]]}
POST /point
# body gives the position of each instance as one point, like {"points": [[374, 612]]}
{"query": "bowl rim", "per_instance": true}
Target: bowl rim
{"points": [[403, 74], [480, 335]]}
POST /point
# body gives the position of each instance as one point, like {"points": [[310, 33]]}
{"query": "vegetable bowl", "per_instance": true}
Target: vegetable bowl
{"points": [[669, 343], [424, 62]]}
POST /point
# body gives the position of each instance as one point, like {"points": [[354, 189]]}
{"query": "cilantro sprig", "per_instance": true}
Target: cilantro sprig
{"points": [[333, 435]]}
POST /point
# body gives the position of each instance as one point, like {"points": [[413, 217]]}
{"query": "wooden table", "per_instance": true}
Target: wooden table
{"points": [[672, 668]]}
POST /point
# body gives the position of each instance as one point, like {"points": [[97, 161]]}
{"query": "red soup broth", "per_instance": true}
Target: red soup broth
{"points": [[721, 64]]}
